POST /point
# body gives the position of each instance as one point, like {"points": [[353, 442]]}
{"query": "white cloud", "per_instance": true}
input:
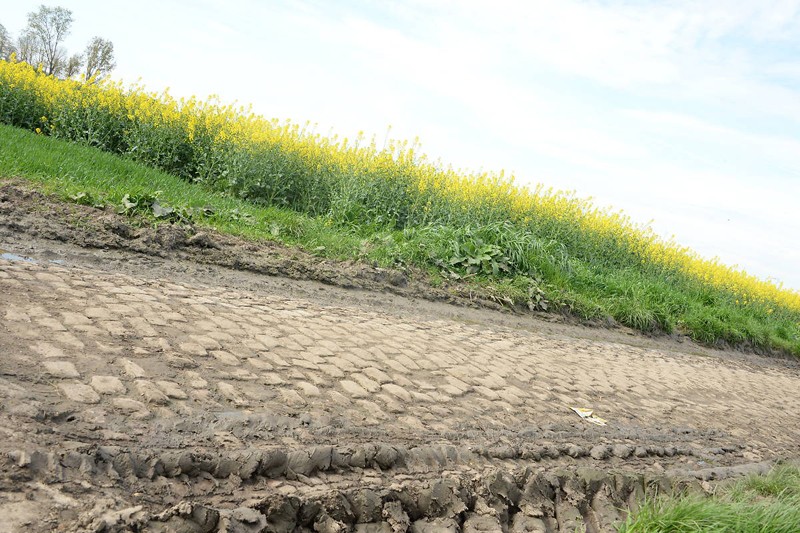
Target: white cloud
{"points": [[772, 150]]}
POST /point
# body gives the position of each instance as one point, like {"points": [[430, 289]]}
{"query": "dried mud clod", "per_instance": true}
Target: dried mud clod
{"points": [[523, 500], [405, 493]]}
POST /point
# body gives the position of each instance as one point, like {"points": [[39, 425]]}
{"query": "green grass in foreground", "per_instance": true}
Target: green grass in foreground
{"points": [[497, 259], [758, 504], [86, 175]]}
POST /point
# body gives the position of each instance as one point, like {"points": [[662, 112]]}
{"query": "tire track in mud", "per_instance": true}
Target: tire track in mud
{"points": [[515, 498]]}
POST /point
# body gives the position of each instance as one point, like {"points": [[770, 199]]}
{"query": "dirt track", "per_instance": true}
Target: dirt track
{"points": [[145, 393]]}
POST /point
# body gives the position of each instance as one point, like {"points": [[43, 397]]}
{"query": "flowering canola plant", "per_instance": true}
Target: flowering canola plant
{"points": [[231, 149]]}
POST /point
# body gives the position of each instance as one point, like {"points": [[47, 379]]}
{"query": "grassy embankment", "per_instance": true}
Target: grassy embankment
{"points": [[539, 248], [758, 504]]}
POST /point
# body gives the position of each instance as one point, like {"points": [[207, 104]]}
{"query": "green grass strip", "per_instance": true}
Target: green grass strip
{"points": [[87, 175]]}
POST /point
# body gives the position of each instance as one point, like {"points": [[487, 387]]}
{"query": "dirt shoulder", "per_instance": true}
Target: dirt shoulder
{"points": [[170, 380]]}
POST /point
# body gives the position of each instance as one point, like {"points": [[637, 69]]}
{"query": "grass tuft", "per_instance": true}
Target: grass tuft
{"points": [[758, 504]]}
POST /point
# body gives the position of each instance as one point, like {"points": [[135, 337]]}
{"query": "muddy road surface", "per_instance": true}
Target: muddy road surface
{"points": [[147, 385]]}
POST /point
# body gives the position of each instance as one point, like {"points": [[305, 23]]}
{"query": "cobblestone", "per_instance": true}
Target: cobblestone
{"points": [[272, 379], [17, 316], [61, 369], [308, 389], [292, 398], [129, 350], [195, 380], [46, 349], [129, 405], [78, 392], [377, 375], [398, 391], [171, 390], [150, 392], [107, 385], [132, 369], [193, 348], [51, 323], [353, 389], [225, 357], [231, 393], [366, 383]]}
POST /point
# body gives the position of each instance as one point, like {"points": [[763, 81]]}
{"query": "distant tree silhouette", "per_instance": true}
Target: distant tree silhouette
{"points": [[6, 44], [41, 42], [99, 58], [47, 29]]}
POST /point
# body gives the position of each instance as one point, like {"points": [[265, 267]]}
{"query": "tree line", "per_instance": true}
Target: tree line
{"points": [[41, 43]]}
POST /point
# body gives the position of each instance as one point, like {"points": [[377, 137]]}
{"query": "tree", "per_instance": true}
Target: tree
{"points": [[74, 65], [6, 44], [41, 43], [27, 51], [48, 27], [99, 58]]}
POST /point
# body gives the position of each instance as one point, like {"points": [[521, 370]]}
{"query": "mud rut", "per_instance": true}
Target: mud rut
{"points": [[146, 386]]}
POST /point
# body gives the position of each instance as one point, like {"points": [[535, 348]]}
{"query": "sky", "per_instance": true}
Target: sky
{"points": [[683, 114]]}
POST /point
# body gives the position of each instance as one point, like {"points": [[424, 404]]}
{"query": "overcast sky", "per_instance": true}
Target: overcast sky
{"points": [[683, 113]]}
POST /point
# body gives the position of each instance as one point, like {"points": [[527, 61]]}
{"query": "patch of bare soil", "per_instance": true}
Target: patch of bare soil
{"points": [[171, 379]]}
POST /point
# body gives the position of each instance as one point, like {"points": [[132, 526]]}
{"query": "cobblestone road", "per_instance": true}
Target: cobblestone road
{"points": [[109, 359]]}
